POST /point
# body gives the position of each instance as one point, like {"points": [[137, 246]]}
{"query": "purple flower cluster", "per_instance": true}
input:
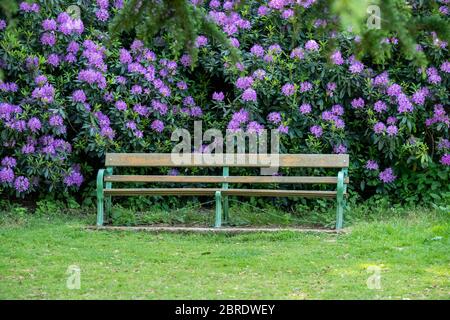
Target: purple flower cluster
{"points": [[371, 165], [29, 7], [288, 89], [316, 130], [157, 126], [334, 116], [387, 176], [74, 178], [439, 116], [45, 93]]}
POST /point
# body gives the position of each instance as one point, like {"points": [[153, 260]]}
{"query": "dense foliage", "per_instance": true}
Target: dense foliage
{"points": [[71, 92]]}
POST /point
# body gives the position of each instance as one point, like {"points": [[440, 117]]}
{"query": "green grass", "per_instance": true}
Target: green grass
{"points": [[412, 249]]}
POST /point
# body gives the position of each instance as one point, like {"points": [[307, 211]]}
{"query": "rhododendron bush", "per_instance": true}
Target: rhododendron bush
{"points": [[71, 93]]}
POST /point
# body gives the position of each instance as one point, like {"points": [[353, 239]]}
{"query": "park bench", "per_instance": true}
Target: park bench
{"points": [[222, 189]]}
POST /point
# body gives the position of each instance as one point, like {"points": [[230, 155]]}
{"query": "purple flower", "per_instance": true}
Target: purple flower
{"points": [[29, 7], [49, 25], [394, 90], [91, 76], [337, 110], [125, 56], [121, 105], [420, 95], [196, 111], [53, 60], [186, 60], [297, 53], [257, 50], [79, 96], [286, 14], [387, 176], [9, 162], [392, 130], [55, 120], [48, 39], [45, 93], [242, 116], [234, 42], [201, 41], [21, 184], [358, 103], [283, 129], [288, 89], [274, 49], [157, 125], [433, 76], [141, 110], [73, 47], [391, 120], [380, 106], [244, 82], [404, 105], [2, 24], [379, 127], [336, 57], [218, 96], [356, 66], [173, 171], [445, 160], [305, 86], [34, 124], [305, 108], [445, 67], [263, 10], [316, 131], [255, 127], [136, 89], [74, 178], [6, 175], [371, 165], [40, 80], [340, 149], [103, 4], [102, 15], [274, 117], [311, 45], [249, 95], [444, 144], [381, 79]]}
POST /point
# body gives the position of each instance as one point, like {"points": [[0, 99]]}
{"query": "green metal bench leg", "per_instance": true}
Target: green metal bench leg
{"points": [[100, 200], [218, 221], [226, 215], [340, 201], [108, 202]]}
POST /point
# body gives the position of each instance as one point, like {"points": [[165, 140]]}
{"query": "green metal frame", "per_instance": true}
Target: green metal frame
{"points": [[340, 198], [103, 203], [226, 216], [218, 222]]}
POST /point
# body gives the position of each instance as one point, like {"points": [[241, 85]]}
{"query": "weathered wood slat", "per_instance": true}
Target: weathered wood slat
{"points": [[221, 179], [211, 191], [162, 191], [230, 160], [279, 193]]}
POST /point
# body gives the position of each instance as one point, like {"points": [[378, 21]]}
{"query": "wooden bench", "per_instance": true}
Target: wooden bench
{"points": [[106, 178]]}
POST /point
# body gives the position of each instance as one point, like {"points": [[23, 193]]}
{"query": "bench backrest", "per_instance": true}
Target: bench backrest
{"points": [[225, 160]]}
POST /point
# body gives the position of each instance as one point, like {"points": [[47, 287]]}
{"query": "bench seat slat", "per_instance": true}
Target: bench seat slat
{"points": [[249, 160], [211, 191], [221, 179]]}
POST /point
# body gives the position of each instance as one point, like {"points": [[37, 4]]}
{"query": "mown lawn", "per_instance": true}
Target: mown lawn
{"points": [[412, 251]]}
